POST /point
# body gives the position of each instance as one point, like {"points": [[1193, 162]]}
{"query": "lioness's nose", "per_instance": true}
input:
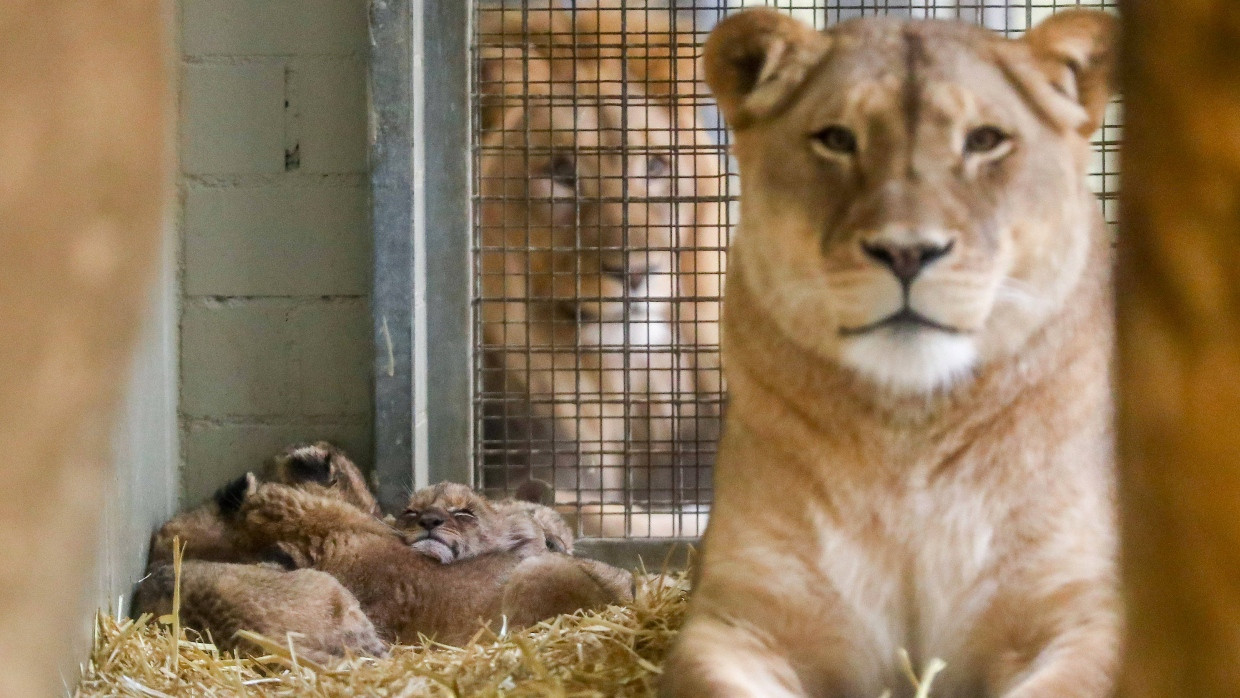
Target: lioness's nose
{"points": [[906, 260], [430, 520]]}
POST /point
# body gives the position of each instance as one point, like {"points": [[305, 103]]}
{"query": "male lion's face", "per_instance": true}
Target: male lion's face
{"points": [[916, 204]]}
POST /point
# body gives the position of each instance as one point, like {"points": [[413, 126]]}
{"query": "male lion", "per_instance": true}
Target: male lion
{"points": [[917, 335], [601, 253]]}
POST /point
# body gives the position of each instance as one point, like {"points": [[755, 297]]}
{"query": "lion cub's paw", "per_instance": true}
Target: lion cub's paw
{"points": [[548, 585]]}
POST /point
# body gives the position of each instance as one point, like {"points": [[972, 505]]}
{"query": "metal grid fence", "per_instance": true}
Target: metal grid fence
{"points": [[601, 204]]}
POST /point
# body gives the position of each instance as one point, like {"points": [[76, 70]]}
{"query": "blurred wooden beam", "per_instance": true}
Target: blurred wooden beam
{"points": [[83, 173], [1179, 347]]}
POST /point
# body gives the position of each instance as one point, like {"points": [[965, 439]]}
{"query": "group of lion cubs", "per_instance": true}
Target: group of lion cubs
{"points": [[301, 554], [918, 454]]}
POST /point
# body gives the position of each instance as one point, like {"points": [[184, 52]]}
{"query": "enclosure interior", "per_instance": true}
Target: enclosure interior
{"points": [[595, 366]]}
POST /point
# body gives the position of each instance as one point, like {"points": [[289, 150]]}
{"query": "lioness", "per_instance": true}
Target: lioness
{"points": [[602, 230], [917, 335]]}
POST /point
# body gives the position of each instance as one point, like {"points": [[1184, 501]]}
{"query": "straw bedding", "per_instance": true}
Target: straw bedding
{"points": [[613, 652], [616, 651]]}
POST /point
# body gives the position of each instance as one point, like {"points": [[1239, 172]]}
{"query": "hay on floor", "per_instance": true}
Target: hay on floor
{"points": [[617, 651], [613, 652]]}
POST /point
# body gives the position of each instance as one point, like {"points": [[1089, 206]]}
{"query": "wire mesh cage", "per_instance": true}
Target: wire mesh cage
{"points": [[602, 202]]}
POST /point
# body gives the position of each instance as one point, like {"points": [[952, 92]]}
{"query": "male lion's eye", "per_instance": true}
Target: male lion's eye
{"points": [[837, 139], [562, 170], [984, 139]]}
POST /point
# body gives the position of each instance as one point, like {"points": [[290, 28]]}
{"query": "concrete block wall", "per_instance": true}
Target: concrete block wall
{"points": [[275, 242]]}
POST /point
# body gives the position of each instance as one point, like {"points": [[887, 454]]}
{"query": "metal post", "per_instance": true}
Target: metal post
{"points": [[391, 154], [419, 96], [446, 231]]}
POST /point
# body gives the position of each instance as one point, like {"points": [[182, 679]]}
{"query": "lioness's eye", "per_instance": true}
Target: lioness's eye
{"points": [[984, 139], [468, 513], [837, 139], [562, 170]]}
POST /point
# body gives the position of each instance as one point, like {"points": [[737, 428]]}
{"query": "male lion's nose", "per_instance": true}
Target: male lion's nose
{"points": [[906, 260]]}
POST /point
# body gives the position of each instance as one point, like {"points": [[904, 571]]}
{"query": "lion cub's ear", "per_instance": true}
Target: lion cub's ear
{"points": [[535, 491], [1076, 50], [232, 495], [755, 59]]}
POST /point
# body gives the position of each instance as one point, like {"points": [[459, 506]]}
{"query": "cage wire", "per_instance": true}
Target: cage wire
{"points": [[595, 242]]}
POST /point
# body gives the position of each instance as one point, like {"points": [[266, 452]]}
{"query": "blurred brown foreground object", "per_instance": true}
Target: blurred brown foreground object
{"points": [[1179, 310], [83, 169]]}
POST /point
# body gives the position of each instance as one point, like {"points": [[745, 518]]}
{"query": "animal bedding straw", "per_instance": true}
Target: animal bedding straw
{"points": [[613, 652]]}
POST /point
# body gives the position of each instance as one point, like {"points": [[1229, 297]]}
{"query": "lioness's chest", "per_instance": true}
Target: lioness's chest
{"points": [[913, 564]]}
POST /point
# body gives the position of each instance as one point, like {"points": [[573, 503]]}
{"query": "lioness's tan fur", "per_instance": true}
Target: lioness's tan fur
{"points": [[884, 483]]}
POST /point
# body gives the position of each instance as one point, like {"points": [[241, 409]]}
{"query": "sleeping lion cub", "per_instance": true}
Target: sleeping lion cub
{"points": [[452, 522], [317, 467], [340, 579], [307, 608], [917, 335], [404, 591]]}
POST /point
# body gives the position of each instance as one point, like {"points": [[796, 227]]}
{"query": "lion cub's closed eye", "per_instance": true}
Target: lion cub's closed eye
{"points": [[451, 522]]}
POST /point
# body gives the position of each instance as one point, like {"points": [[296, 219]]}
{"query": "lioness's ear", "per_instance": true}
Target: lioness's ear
{"points": [[755, 59], [1076, 50]]}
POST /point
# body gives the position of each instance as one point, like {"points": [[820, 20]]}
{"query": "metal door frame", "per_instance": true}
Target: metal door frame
{"points": [[420, 181]]}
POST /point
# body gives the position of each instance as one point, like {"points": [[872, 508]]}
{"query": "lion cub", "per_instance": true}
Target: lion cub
{"points": [[451, 522], [318, 467], [408, 593], [223, 590], [306, 607], [313, 515]]}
